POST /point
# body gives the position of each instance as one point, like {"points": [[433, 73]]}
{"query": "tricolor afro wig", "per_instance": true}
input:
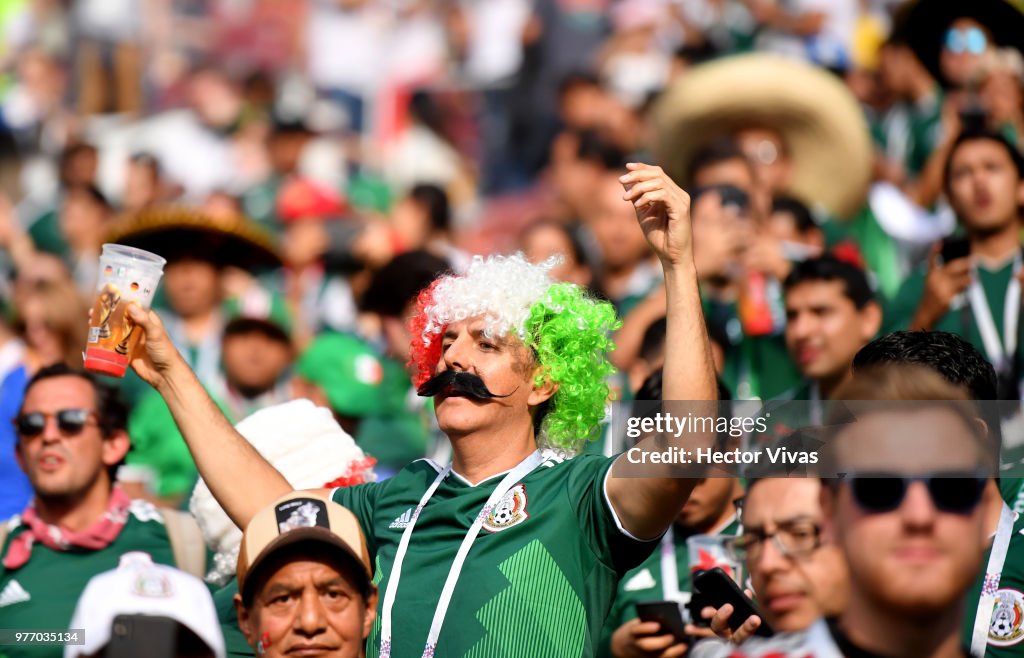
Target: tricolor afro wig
{"points": [[568, 331]]}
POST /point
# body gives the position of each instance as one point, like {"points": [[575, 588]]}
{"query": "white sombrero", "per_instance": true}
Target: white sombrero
{"points": [[820, 121]]}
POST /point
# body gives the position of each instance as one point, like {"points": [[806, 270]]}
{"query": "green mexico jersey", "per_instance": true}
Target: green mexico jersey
{"points": [[42, 594], [957, 320], [1006, 628], [539, 579], [646, 583]]}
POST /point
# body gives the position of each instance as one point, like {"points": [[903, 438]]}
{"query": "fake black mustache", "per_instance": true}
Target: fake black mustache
{"points": [[455, 382]]}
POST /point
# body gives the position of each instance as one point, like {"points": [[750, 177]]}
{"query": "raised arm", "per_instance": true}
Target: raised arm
{"points": [[241, 480], [646, 506]]}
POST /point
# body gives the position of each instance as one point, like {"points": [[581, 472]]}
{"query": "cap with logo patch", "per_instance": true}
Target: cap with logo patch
{"points": [[140, 587], [299, 517], [348, 370]]}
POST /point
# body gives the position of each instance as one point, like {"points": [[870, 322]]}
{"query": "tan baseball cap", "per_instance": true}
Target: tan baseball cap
{"points": [[301, 516]]}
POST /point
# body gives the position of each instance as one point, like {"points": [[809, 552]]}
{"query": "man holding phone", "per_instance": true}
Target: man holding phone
{"points": [[973, 288], [665, 575], [796, 577]]}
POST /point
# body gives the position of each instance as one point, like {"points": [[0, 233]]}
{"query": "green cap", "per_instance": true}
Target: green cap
{"points": [[349, 371], [367, 192]]}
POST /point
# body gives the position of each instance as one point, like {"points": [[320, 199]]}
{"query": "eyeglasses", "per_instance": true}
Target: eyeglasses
{"points": [[795, 538], [971, 40], [954, 492], [70, 422]]}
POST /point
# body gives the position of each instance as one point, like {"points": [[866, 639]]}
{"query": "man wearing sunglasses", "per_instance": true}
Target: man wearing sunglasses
{"points": [[963, 48], [992, 623], [71, 439], [908, 512], [908, 517]]}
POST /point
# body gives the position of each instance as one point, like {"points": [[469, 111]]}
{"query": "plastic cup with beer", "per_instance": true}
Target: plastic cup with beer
{"points": [[126, 276]]}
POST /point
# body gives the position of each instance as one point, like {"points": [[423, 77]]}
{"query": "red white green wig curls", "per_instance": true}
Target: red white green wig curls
{"points": [[568, 331]]}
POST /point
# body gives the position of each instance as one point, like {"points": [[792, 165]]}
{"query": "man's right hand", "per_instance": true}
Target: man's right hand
{"points": [[644, 639], [155, 356], [943, 283]]}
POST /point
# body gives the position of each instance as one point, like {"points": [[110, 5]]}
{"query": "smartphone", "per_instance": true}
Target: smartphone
{"points": [[955, 248], [132, 636], [666, 613], [974, 117], [717, 589]]}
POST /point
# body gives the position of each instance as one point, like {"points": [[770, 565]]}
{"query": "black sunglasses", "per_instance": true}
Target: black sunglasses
{"points": [[70, 422], [955, 492]]}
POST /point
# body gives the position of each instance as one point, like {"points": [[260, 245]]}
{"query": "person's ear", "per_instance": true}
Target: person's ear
{"points": [[115, 447], [544, 391], [245, 621], [871, 320], [1020, 192], [371, 613]]}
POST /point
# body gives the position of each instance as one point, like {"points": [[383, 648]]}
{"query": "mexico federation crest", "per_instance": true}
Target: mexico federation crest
{"points": [[510, 510], [1007, 627]]}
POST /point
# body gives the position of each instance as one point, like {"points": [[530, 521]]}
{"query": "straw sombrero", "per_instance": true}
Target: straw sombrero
{"points": [[177, 231], [820, 121], [925, 22]]}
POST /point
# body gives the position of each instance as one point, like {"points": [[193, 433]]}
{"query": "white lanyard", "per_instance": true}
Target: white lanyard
{"points": [[208, 350], [669, 569], [510, 480], [999, 353], [987, 601]]}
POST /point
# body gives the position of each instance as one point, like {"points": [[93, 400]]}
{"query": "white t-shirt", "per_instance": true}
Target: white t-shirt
{"points": [[347, 48], [495, 49]]}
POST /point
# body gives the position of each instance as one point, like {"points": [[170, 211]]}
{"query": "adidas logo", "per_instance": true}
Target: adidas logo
{"points": [[13, 593], [642, 580], [403, 520]]}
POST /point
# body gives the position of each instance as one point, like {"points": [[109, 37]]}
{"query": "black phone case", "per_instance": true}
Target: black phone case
{"points": [[667, 614], [718, 589], [133, 636]]}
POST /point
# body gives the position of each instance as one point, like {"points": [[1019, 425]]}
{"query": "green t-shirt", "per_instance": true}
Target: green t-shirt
{"points": [[399, 434], [541, 586], [1006, 629], [958, 320], [646, 583], [157, 445], [910, 132], [43, 593], [755, 366]]}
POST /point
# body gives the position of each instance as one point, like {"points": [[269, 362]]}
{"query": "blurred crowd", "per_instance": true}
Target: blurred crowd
{"points": [[307, 167]]}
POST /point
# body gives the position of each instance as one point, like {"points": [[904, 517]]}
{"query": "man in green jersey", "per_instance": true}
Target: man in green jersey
{"points": [[974, 290], [665, 575], [796, 576], [540, 540], [71, 439]]}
